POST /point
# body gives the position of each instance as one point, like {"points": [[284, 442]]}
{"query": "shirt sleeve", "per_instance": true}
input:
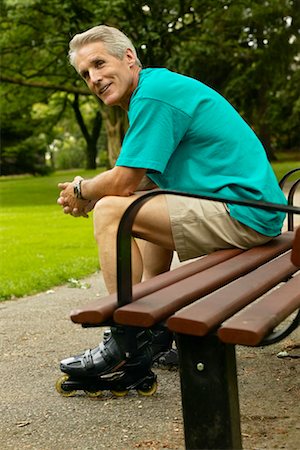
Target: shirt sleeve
{"points": [[155, 130]]}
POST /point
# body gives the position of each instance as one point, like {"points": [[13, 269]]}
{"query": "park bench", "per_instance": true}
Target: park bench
{"points": [[228, 298]]}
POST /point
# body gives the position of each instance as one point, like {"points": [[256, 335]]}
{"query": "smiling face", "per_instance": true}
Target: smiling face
{"points": [[111, 79]]}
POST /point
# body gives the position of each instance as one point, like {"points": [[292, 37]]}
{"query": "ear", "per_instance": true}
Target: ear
{"points": [[130, 57]]}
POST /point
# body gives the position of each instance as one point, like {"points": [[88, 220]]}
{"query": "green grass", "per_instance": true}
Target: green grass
{"points": [[281, 168], [286, 161], [40, 246]]}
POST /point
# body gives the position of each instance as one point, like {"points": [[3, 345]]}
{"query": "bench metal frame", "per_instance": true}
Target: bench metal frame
{"points": [[209, 387], [124, 285]]}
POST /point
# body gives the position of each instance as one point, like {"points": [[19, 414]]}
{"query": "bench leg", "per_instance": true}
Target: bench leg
{"points": [[209, 393]]}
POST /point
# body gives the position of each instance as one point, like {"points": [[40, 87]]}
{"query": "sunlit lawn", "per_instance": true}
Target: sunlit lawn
{"points": [[290, 161], [40, 246]]}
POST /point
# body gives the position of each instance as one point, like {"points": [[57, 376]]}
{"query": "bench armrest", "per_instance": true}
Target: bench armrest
{"points": [[124, 276], [295, 256]]}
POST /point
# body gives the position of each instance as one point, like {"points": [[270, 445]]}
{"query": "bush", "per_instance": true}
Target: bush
{"points": [[25, 157], [68, 153]]}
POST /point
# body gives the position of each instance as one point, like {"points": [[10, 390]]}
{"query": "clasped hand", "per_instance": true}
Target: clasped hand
{"points": [[70, 203]]}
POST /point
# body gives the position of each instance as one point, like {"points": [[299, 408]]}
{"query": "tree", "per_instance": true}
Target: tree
{"points": [[247, 50], [250, 52], [36, 63]]}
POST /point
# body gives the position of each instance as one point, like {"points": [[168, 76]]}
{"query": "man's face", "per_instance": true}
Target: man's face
{"points": [[111, 79]]}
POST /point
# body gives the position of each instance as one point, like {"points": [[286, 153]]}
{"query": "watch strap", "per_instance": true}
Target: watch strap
{"points": [[77, 189]]}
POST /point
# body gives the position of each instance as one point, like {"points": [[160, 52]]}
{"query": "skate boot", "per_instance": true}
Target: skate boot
{"points": [[164, 356], [120, 363], [167, 360]]}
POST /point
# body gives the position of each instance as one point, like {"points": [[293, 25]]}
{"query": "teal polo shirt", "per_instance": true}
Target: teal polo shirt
{"points": [[189, 138]]}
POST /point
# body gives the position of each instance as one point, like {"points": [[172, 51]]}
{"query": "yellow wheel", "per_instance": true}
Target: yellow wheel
{"points": [[93, 394], [61, 390], [148, 392], [119, 393]]}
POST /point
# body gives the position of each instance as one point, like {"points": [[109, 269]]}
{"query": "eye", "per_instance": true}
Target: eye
{"points": [[99, 63], [85, 75]]}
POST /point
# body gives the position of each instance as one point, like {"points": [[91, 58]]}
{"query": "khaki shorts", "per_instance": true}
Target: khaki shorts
{"points": [[200, 227]]}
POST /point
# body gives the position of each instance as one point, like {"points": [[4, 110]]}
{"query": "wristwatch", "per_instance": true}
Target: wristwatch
{"points": [[77, 189]]}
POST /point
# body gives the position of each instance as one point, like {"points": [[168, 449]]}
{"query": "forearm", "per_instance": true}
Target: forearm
{"points": [[79, 196], [99, 186], [117, 181]]}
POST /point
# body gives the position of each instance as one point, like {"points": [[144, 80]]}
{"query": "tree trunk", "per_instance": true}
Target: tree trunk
{"points": [[261, 119], [90, 138], [116, 125], [91, 155], [265, 137]]}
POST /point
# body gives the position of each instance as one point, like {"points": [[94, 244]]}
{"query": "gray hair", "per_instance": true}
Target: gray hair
{"points": [[116, 42]]}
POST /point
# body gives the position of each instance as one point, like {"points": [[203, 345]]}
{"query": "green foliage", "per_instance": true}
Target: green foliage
{"points": [[249, 51], [40, 246], [22, 150], [25, 157], [266, 67], [67, 153], [34, 43]]}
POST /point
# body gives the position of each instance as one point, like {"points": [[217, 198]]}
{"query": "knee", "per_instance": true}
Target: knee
{"points": [[107, 214]]}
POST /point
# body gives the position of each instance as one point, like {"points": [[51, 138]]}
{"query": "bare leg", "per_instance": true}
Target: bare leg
{"points": [[152, 224], [156, 259]]}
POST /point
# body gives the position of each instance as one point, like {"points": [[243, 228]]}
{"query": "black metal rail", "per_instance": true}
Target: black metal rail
{"points": [[291, 193]]}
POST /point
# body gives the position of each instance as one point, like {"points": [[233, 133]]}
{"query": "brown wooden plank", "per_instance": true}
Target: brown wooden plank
{"points": [[160, 305], [102, 309], [295, 257], [253, 324], [186, 270], [206, 314], [96, 312]]}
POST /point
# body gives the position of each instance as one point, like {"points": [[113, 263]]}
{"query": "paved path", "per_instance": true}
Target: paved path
{"points": [[36, 333]]}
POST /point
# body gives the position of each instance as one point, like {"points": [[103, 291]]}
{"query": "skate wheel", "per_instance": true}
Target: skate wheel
{"points": [[60, 389], [93, 394], [148, 392], [119, 393]]}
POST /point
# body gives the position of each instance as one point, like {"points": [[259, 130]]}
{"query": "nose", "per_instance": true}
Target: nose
{"points": [[95, 76]]}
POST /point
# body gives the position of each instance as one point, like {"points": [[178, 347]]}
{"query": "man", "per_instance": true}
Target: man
{"points": [[182, 135]]}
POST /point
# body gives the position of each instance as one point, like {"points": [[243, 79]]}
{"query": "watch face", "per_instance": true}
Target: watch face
{"points": [[76, 190]]}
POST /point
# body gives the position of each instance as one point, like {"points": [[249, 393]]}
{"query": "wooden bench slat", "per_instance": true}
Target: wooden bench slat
{"points": [[102, 309], [251, 325], [95, 313], [204, 315], [158, 306], [180, 273]]}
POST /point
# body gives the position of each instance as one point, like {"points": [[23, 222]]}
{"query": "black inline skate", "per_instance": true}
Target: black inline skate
{"points": [[120, 363], [164, 355]]}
